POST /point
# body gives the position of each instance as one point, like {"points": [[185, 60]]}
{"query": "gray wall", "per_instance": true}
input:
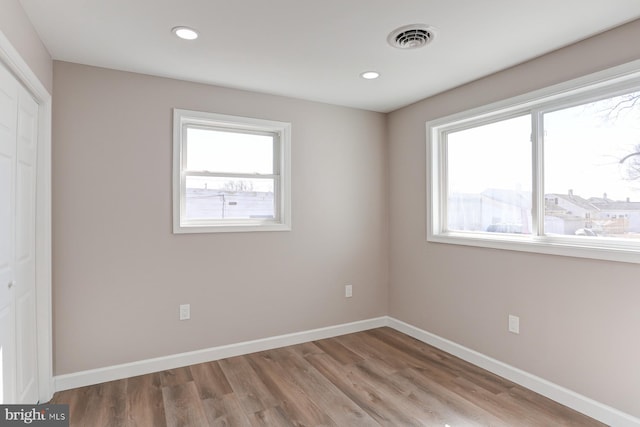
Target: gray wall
{"points": [[579, 318], [119, 272], [16, 27]]}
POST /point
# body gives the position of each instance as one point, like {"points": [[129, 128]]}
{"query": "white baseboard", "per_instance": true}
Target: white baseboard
{"points": [[573, 400], [111, 373], [580, 403]]}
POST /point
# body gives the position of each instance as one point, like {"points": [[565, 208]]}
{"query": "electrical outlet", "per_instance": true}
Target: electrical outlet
{"points": [[185, 311], [514, 324], [348, 291]]}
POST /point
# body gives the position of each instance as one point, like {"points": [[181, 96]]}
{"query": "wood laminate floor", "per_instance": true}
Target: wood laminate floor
{"points": [[379, 377]]}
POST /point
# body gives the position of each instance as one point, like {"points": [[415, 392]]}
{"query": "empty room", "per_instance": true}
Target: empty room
{"points": [[336, 213]]}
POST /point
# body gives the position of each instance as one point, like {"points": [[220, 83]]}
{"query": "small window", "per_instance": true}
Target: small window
{"points": [[556, 171], [230, 173]]}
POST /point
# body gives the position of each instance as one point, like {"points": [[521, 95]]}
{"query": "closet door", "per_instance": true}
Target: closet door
{"points": [[25, 261], [18, 329], [8, 131]]}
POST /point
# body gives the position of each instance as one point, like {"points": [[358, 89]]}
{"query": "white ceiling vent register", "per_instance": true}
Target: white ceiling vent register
{"points": [[411, 36]]}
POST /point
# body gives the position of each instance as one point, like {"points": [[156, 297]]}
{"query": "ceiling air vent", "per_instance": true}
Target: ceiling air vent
{"points": [[411, 36]]}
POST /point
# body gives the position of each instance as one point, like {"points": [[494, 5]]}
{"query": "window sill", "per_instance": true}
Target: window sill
{"points": [[238, 227], [572, 247]]}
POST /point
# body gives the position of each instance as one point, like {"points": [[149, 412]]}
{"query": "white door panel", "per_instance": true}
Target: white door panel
{"points": [[25, 289], [8, 120], [18, 327], [8, 137], [7, 355], [26, 349], [25, 212], [7, 187]]}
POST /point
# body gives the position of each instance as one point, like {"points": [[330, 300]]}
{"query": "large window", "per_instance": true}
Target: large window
{"points": [[556, 171], [230, 173]]}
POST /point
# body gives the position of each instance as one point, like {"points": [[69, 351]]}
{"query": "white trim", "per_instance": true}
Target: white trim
{"points": [[110, 373], [564, 396], [612, 81], [14, 62]]}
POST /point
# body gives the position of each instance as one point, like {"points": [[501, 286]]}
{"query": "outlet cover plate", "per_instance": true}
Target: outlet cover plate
{"points": [[185, 311], [514, 324], [348, 291]]}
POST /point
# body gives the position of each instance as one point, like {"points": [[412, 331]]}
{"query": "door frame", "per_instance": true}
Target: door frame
{"points": [[14, 62]]}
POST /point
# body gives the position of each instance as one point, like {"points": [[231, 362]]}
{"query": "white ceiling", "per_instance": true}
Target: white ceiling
{"points": [[316, 50]]}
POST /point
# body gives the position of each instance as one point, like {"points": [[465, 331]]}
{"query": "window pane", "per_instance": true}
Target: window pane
{"points": [[489, 177], [592, 169], [230, 152], [229, 198]]}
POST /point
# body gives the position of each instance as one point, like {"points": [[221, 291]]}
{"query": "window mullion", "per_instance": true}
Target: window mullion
{"points": [[537, 146]]}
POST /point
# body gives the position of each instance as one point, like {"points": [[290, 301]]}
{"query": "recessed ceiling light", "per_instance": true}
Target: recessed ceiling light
{"points": [[185, 33], [370, 75]]}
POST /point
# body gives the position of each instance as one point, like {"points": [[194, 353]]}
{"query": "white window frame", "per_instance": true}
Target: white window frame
{"points": [[182, 119], [624, 78]]}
